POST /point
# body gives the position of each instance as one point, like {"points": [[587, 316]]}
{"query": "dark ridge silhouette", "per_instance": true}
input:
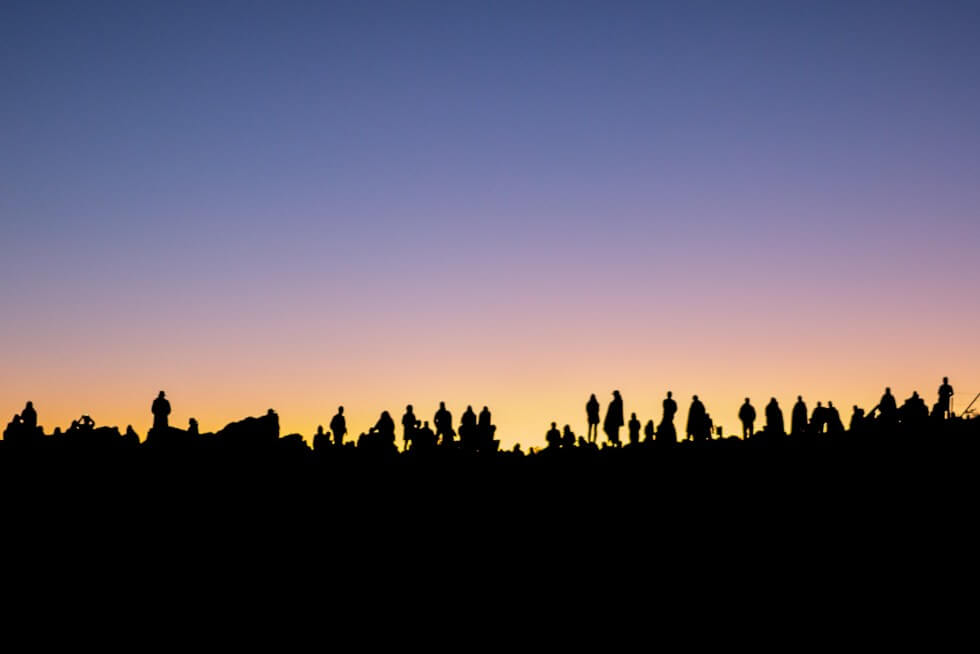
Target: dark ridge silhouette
{"points": [[884, 426], [347, 505]]}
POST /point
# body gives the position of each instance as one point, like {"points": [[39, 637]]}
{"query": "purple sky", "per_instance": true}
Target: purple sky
{"points": [[190, 180]]}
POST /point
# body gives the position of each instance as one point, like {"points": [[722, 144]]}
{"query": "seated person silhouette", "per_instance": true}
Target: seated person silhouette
{"points": [[28, 418], [774, 418], [553, 437], [634, 429]]}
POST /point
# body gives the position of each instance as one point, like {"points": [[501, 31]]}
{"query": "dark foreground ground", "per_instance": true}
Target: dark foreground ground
{"points": [[874, 532]]}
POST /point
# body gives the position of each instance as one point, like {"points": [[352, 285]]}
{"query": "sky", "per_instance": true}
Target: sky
{"points": [[300, 205]]}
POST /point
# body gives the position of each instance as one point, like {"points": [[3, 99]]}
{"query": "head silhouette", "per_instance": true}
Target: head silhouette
{"points": [[553, 425], [945, 380], [340, 409], [616, 394], [442, 405], [409, 408], [162, 395], [888, 390], [695, 398], [830, 404], [799, 398], [669, 395], [746, 400], [30, 405]]}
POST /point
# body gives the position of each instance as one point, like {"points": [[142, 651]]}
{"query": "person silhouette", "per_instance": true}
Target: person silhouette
{"points": [[338, 425], [747, 415], [385, 428], [425, 439], [798, 420], [696, 420], [553, 437], [648, 432], [834, 423], [818, 419], [567, 437], [888, 408], [192, 427], [592, 415], [914, 411], [485, 429], [945, 395], [614, 418], [28, 418], [408, 426], [634, 429], [667, 433], [774, 418], [857, 420], [161, 411], [443, 421], [467, 428]]}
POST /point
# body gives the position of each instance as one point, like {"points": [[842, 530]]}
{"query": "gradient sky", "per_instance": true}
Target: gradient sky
{"points": [[304, 204]]}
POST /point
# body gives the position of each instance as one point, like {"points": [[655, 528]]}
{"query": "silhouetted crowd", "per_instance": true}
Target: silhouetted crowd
{"points": [[476, 432]]}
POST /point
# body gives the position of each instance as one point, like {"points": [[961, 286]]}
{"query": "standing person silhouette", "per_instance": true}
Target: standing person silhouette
{"points": [[338, 425], [798, 421], [443, 421], [747, 415], [834, 423], [592, 414], [696, 419], [819, 419], [614, 418], [161, 411], [945, 395], [485, 429], [408, 426], [667, 433]]}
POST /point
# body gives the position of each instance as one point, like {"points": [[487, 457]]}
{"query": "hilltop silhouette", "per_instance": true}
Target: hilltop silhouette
{"points": [[885, 426]]}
